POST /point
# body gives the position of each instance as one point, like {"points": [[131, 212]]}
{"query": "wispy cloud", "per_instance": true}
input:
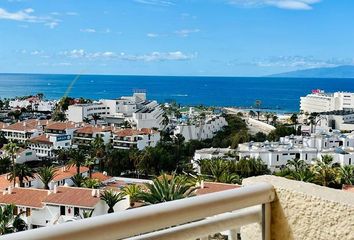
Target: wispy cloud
{"points": [[159, 56], [301, 62], [149, 57], [165, 3], [186, 32], [152, 35], [283, 4], [88, 30], [27, 15]]}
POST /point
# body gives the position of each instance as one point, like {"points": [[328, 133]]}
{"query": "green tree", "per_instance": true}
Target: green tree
{"points": [[46, 175], [11, 149], [78, 180], [95, 118], [324, 173], [133, 191], [294, 119], [91, 183], [347, 174], [167, 188], [23, 172], [77, 158], [9, 222], [5, 164], [111, 198]]}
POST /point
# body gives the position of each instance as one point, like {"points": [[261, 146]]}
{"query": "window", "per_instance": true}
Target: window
{"points": [[62, 210], [76, 211], [28, 212], [277, 158], [306, 156], [15, 211], [350, 161]]}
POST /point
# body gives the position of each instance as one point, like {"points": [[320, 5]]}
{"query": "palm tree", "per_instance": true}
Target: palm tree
{"points": [[78, 180], [9, 222], [294, 120], [91, 183], [258, 104], [95, 118], [324, 173], [5, 164], [98, 147], [267, 115], [46, 175], [296, 164], [274, 119], [347, 174], [78, 158], [11, 149], [89, 162], [111, 198], [231, 178], [167, 188], [252, 114], [23, 172], [133, 191], [217, 168]]}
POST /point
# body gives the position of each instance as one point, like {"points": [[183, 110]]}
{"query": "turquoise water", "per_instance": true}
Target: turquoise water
{"points": [[275, 93]]}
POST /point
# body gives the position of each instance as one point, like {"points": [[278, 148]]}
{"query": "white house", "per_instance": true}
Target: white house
{"points": [[85, 135], [78, 112], [23, 155], [45, 144], [34, 103]]}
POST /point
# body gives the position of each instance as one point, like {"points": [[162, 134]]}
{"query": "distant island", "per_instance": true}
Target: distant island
{"points": [[346, 71]]}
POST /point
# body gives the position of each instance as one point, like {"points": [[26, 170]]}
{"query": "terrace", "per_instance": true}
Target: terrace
{"points": [[266, 207]]}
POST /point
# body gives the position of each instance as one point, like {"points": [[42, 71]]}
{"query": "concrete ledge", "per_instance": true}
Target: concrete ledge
{"points": [[305, 211]]}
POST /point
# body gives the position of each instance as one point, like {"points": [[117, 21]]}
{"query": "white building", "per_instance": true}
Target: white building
{"points": [[343, 121], [201, 131], [23, 131], [34, 103], [131, 138], [135, 109], [319, 101], [85, 135], [277, 154], [22, 155], [78, 112], [62, 204], [45, 144], [149, 115]]}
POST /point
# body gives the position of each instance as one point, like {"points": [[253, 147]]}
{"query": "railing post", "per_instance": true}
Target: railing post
{"points": [[266, 218]]}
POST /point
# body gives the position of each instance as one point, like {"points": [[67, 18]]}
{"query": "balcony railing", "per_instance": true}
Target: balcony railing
{"points": [[191, 218]]}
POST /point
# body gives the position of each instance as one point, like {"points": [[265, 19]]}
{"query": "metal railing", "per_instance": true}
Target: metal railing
{"points": [[190, 218]]}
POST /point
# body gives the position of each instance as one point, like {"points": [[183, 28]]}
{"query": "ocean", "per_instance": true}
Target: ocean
{"points": [[282, 94]]}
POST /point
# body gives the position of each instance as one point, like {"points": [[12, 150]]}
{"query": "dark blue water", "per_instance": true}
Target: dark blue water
{"points": [[280, 93]]}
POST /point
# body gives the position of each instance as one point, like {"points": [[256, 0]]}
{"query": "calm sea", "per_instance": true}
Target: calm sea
{"points": [[275, 93]]}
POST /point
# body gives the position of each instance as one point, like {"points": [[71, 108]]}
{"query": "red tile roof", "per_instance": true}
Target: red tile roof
{"points": [[90, 129], [133, 132], [28, 125], [72, 196], [100, 176], [60, 126], [41, 139], [28, 197], [68, 172], [212, 187]]}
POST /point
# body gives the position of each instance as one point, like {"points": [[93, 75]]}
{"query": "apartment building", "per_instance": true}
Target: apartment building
{"points": [[132, 138], [86, 134], [79, 112], [320, 101], [201, 130], [25, 130]]}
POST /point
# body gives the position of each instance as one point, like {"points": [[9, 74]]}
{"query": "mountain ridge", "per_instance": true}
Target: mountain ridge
{"points": [[344, 71]]}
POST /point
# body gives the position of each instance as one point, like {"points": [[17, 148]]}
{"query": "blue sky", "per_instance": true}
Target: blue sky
{"points": [[175, 37]]}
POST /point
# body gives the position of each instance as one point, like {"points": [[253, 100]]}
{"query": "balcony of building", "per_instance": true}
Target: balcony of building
{"points": [[266, 207]]}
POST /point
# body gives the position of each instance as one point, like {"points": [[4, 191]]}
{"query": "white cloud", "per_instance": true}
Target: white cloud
{"points": [[26, 15], [152, 35], [150, 57], [164, 3], [186, 32], [301, 62], [71, 13], [159, 56], [88, 30], [284, 4]]}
